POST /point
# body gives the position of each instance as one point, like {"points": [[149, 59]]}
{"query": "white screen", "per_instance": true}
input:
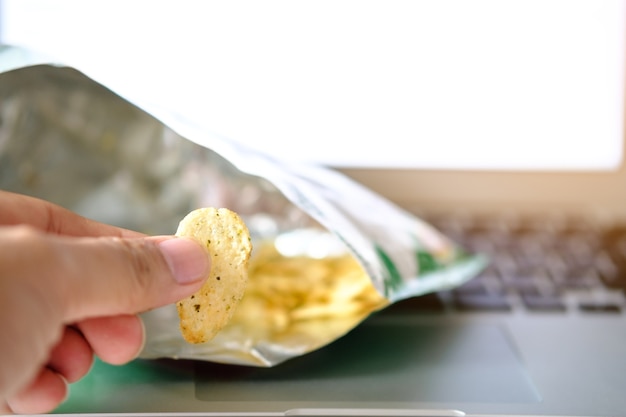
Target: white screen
{"points": [[468, 84]]}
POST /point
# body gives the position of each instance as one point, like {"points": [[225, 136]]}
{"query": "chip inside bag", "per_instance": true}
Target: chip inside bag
{"points": [[320, 251]]}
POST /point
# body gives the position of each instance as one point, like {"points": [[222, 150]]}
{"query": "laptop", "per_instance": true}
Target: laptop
{"points": [[540, 332]]}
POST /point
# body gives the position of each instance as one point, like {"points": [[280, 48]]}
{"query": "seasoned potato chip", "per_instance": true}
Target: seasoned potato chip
{"points": [[222, 231]]}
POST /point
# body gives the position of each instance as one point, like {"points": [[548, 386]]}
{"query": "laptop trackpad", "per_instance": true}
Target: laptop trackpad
{"points": [[384, 362]]}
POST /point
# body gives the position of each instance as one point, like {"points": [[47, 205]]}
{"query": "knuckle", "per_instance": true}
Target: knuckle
{"points": [[22, 240], [25, 232]]}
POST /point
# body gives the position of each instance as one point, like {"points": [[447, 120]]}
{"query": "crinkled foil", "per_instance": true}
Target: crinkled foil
{"points": [[67, 139]]}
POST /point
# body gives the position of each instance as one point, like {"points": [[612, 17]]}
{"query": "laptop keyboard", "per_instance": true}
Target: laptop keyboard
{"points": [[554, 265]]}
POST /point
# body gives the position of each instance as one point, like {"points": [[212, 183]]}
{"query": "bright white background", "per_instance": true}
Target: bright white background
{"points": [[504, 84]]}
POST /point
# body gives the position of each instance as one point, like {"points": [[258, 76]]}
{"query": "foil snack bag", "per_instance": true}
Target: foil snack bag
{"points": [[327, 253]]}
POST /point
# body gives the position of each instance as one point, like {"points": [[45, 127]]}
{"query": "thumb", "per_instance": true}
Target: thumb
{"points": [[111, 276]]}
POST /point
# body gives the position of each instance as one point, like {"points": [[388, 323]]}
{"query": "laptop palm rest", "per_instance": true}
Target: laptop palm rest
{"points": [[383, 362]]}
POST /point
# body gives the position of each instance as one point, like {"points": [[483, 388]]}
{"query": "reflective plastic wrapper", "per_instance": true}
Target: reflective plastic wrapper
{"points": [[328, 252]]}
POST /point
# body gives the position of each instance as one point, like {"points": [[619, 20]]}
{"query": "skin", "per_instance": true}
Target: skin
{"points": [[71, 288]]}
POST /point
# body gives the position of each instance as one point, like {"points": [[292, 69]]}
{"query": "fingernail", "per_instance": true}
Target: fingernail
{"points": [[187, 260], [143, 337]]}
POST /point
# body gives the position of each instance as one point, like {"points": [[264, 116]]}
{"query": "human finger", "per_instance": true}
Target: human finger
{"points": [[20, 209], [115, 340], [44, 394], [100, 277], [72, 357]]}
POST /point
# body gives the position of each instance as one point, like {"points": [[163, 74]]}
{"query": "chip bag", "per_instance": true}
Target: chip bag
{"points": [[327, 251]]}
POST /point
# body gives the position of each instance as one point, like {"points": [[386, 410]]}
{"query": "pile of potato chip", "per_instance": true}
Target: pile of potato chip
{"points": [[300, 296]]}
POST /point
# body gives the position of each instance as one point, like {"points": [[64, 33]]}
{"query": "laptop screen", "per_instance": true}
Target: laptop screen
{"points": [[431, 84]]}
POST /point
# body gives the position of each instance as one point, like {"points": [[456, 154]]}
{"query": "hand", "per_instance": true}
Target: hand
{"points": [[71, 288]]}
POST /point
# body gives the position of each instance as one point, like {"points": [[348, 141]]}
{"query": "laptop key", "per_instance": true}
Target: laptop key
{"points": [[538, 301], [477, 285], [583, 279], [525, 280], [612, 272], [605, 307], [481, 302]]}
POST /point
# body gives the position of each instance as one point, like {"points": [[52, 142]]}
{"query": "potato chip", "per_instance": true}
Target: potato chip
{"points": [[226, 236]]}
